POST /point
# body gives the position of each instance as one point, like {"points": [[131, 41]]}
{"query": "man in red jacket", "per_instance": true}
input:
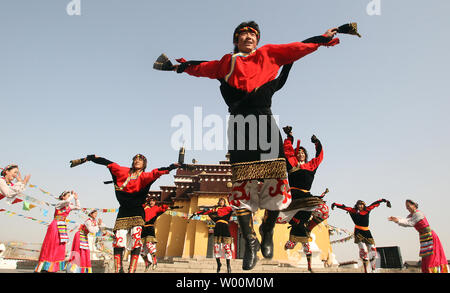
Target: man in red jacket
{"points": [[248, 79]]}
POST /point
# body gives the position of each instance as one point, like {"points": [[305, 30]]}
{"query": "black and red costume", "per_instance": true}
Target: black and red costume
{"points": [[301, 177], [305, 211], [222, 237], [151, 214], [363, 237], [221, 217], [247, 84], [131, 192], [148, 235], [361, 220]]}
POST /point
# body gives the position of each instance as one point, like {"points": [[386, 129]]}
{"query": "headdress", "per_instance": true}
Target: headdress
{"points": [[64, 193], [250, 26], [7, 168], [413, 203], [92, 211], [142, 157]]}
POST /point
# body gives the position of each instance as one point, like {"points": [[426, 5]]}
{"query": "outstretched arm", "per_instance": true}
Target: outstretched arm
{"points": [[409, 221], [215, 69], [288, 53], [377, 204], [342, 207], [156, 173], [170, 168], [206, 212], [99, 160], [323, 39]]}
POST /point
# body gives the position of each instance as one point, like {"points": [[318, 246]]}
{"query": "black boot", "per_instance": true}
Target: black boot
{"points": [[266, 232], [228, 266], [219, 265], [308, 258], [252, 246]]}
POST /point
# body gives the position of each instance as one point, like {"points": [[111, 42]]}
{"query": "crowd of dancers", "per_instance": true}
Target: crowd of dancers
{"points": [[277, 180]]}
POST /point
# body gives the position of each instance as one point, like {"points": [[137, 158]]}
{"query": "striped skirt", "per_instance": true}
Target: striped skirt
{"points": [[432, 253], [426, 242]]}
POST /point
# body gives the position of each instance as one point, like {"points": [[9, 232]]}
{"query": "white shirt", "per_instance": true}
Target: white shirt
{"points": [[63, 203], [411, 220], [11, 191], [92, 226]]}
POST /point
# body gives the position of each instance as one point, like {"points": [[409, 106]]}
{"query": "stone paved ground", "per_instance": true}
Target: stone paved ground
{"points": [[180, 265]]}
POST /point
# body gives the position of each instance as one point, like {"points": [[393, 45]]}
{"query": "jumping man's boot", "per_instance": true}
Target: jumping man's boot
{"points": [[266, 232], [252, 245]]}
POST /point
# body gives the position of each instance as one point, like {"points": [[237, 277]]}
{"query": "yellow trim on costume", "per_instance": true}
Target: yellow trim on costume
{"points": [[243, 212], [362, 228], [233, 62], [130, 177], [304, 190], [222, 221]]}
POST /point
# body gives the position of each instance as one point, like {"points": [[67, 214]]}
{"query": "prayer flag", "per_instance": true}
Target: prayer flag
{"points": [[17, 200], [26, 206]]}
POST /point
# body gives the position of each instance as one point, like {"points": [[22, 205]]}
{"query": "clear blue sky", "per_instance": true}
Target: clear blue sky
{"points": [[76, 85]]}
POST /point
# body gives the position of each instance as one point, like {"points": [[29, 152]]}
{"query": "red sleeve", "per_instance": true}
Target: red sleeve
{"points": [[156, 173], [116, 170], [153, 175], [213, 69], [147, 211], [289, 152], [208, 212], [348, 209], [314, 163], [288, 53], [373, 205], [224, 211]]}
